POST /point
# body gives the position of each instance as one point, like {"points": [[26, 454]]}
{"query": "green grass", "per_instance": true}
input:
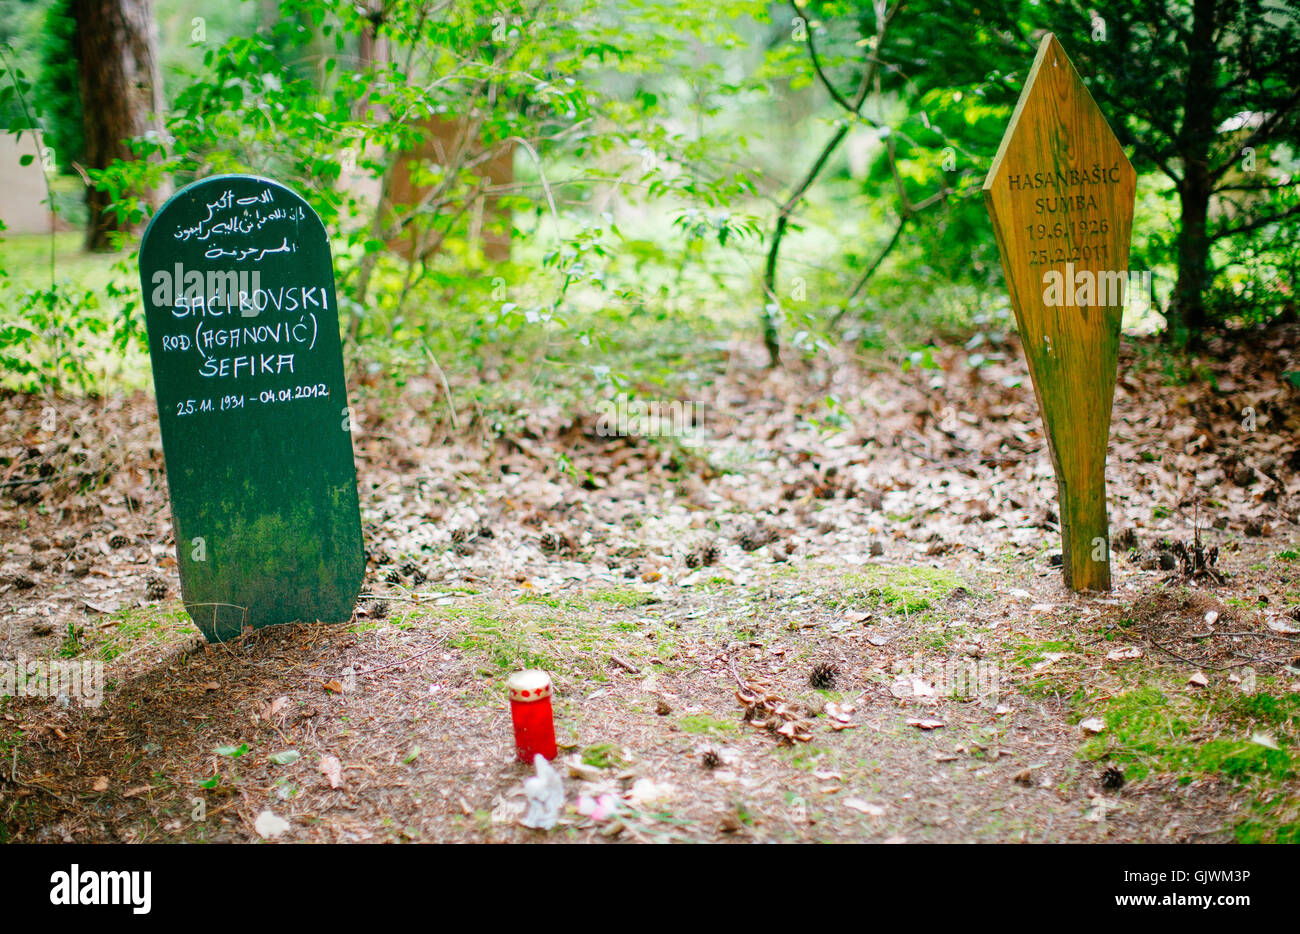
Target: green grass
{"points": [[503, 642], [127, 630], [899, 589], [1159, 727], [1275, 819], [26, 257], [704, 724], [603, 756], [79, 351], [1026, 654], [622, 598]]}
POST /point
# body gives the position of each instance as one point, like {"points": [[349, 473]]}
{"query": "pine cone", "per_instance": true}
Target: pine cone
{"points": [[709, 555], [118, 540], [409, 569], [378, 609], [393, 577], [155, 589], [823, 675], [555, 542], [418, 577], [711, 759], [459, 535], [464, 549], [484, 531], [693, 559], [755, 538], [23, 582]]}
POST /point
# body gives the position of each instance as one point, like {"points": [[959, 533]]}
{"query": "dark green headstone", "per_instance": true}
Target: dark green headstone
{"points": [[248, 371]]}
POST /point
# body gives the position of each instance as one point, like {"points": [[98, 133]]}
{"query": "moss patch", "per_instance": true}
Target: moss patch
{"points": [[899, 589]]}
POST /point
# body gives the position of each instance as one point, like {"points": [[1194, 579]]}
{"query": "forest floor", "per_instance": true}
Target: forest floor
{"points": [[776, 630]]}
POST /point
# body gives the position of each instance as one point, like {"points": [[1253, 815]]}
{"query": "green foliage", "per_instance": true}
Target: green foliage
{"points": [[905, 590], [20, 60], [651, 143], [59, 100]]}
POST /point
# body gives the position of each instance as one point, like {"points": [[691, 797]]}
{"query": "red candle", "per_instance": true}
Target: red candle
{"points": [[530, 708]]}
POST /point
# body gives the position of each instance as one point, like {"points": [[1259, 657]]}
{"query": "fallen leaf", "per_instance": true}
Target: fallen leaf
{"points": [[287, 757], [334, 686], [101, 784], [1048, 659], [212, 686], [269, 826], [863, 807], [583, 771], [1264, 739], [1198, 680], [1093, 725], [1122, 654], [273, 708], [836, 711], [332, 769], [647, 793], [928, 723]]}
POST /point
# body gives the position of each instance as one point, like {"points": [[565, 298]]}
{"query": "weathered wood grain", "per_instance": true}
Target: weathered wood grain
{"points": [[1060, 195]]}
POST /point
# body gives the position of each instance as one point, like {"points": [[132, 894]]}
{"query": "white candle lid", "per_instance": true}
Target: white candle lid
{"points": [[531, 685]]}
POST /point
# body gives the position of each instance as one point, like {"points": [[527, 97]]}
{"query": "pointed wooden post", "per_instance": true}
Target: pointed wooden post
{"points": [[1060, 195]]}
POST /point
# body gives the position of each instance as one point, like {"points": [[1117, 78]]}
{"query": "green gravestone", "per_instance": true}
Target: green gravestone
{"points": [[248, 373]]}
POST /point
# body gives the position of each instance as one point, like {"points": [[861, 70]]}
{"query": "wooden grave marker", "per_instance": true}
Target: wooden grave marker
{"points": [[248, 373], [1060, 195]]}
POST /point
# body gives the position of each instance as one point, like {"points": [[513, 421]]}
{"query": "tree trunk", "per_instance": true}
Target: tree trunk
{"points": [[121, 93], [1187, 319]]}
